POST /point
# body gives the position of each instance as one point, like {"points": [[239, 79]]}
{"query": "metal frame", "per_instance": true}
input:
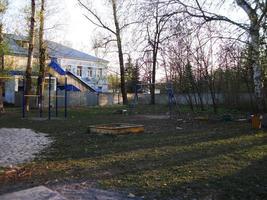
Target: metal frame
{"points": [[49, 99]]}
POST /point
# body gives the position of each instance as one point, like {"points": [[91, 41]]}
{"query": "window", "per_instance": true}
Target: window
{"points": [[68, 68], [79, 70], [23, 44], [100, 73], [90, 72]]}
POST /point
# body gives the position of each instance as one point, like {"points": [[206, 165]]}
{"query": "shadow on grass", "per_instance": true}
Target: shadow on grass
{"points": [[223, 176], [188, 163], [78, 146], [247, 183]]}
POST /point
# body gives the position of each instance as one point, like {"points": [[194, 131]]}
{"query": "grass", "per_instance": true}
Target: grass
{"points": [[206, 159]]}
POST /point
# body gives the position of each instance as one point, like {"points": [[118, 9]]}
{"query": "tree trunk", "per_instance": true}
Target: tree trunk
{"points": [[30, 55], [189, 100], [1, 97], [153, 81], [254, 33], [2, 69], [199, 97], [213, 96], [257, 70], [42, 54], [211, 87], [121, 61]]}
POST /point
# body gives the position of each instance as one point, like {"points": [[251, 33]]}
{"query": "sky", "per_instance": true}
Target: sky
{"points": [[71, 26]]}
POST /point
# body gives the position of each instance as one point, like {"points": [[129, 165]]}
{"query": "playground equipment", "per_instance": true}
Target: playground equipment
{"points": [[40, 100], [172, 102]]}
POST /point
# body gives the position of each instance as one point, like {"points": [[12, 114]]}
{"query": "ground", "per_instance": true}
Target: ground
{"points": [[177, 158], [20, 145]]}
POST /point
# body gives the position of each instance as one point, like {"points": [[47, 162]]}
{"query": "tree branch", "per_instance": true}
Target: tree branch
{"points": [[209, 16], [100, 23]]}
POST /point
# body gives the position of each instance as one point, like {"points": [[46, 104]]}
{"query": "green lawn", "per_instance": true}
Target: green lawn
{"points": [[222, 160]]}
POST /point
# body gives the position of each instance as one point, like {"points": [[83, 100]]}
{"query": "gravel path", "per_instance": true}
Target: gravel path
{"points": [[20, 145], [82, 191]]}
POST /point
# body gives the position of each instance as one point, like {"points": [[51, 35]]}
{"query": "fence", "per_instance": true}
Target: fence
{"points": [[84, 99]]}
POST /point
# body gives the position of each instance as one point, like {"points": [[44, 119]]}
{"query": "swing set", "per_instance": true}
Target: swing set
{"points": [[40, 100], [40, 97]]}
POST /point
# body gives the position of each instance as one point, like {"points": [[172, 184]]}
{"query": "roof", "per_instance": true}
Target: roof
{"points": [[61, 51], [57, 67], [13, 47], [55, 50]]}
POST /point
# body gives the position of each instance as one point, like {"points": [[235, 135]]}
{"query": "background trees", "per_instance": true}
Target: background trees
{"points": [[3, 48], [42, 50], [254, 28], [114, 27], [30, 55], [198, 45], [155, 17]]}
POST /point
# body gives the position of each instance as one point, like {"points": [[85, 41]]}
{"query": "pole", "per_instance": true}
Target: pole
{"points": [[49, 98], [40, 101], [66, 97], [136, 94], [170, 98], [56, 100], [23, 100]]}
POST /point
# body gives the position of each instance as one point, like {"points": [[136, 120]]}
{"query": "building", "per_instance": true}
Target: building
{"points": [[83, 71]]}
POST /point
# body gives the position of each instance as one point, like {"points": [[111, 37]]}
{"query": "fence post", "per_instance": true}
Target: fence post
{"points": [[66, 103], [49, 98], [23, 99], [56, 100]]}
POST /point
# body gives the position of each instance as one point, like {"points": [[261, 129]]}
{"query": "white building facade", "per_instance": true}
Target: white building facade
{"points": [[93, 73]]}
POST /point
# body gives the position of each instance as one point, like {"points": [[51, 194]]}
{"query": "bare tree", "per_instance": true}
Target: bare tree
{"points": [[256, 12], [204, 58], [42, 52], [30, 55], [95, 19], [156, 15], [3, 8]]}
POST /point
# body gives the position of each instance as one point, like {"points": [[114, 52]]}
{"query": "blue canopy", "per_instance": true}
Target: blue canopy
{"points": [[56, 66], [69, 88]]}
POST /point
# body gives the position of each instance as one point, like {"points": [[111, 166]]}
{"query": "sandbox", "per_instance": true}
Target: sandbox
{"points": [[117, 129]]}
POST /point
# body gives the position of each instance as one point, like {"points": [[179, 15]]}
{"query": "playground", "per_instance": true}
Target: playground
{"points": [[196, 155]]}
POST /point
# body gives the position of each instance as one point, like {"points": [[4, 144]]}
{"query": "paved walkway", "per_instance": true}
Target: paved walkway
{"points": [[20, 145], [66, 193], [36, 193], [79, 191]]}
